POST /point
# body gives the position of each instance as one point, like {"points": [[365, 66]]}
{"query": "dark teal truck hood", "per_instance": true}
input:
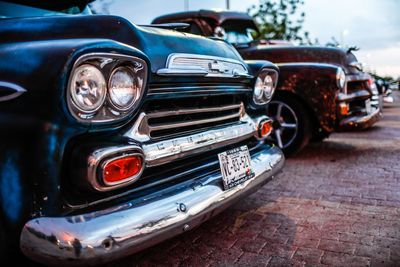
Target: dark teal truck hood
{"points": [[156, 44], [54, 5]]}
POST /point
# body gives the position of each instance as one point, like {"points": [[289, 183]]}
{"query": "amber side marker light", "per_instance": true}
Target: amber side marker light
{"points": [[122, 170], [343, 109], [265, 128]]}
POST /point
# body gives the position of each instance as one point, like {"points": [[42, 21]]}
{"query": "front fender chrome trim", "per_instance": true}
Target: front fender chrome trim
{"points": [[14, 91], [105, 235]]}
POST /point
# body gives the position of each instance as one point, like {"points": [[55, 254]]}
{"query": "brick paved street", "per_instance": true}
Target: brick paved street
{"points": [[336, 203]]}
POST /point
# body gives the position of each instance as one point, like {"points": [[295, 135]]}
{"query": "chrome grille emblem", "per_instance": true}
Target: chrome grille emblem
{"points": [[219, 67]]}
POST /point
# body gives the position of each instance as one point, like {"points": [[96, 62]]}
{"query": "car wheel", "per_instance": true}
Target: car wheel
{"points": [[291, 124]]}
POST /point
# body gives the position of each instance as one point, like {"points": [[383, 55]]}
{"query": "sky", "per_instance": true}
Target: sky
{"points": [[372, 25]]}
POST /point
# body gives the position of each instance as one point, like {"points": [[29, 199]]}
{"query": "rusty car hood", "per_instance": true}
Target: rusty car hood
{"points": [[300, 54]]}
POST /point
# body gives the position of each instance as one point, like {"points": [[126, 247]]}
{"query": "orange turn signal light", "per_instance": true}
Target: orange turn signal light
{"points": [[343, 109], [122, 169], [265, 128]]}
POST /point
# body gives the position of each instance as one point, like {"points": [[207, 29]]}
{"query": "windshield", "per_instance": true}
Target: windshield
{"points": [[238, 31], [12, 10]]}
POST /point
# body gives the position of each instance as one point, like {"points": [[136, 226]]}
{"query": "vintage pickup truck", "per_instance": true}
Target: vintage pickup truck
{"points": [[116, 137], [320, 89]]}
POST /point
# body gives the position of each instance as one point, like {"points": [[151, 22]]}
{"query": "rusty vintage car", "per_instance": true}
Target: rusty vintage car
{"points": [[115, 137], [320, 89]]}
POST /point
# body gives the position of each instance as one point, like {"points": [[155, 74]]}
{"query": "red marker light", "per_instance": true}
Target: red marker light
{"points": [[265, 129], [371, 82], [343, 108], [119, 170]]}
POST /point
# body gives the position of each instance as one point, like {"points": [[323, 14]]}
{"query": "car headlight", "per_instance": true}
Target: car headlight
{"points": [[340, 78], [124, 88], [105, 87], [88, 88], [264, 87]]}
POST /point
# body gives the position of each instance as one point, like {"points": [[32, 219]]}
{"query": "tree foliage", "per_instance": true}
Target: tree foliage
{"points": [[281, 20]]}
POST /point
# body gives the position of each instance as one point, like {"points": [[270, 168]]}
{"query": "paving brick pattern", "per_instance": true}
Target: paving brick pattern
{"points": [[337, 203]]}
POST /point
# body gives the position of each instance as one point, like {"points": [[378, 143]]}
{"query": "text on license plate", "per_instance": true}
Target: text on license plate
{"points": [[235, 166]]}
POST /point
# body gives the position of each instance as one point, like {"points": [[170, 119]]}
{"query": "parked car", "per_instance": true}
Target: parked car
{"points": [[320, 89], [384, 88], [116, 137]]}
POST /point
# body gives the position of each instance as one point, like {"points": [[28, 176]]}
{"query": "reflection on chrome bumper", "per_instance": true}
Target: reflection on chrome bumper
{"points": [[362, 121], [105, 235]]}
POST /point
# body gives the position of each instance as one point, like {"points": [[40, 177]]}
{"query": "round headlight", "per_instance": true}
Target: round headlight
{"points": [[268, 87], [341, 78], [258, 90], [264, 88], [123, 88], [88, 88]]}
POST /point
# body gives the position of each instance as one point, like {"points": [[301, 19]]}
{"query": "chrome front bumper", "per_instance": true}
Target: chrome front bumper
{"points": [[105, 235], [360, 122]]}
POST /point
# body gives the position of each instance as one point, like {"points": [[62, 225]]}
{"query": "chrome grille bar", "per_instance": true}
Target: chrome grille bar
{"points": [[191, 123], [190, 111], [203, 89]]}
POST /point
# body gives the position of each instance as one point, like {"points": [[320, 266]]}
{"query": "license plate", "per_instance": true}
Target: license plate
{"points": [[235, 166], [368, 108]]}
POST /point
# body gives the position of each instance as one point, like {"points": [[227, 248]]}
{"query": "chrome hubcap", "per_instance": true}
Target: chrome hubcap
{"points": [[285, 123]]}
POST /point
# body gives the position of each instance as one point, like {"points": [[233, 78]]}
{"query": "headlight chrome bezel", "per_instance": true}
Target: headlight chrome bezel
{"points": [[340, 78], [269, 80], [108, 64]]}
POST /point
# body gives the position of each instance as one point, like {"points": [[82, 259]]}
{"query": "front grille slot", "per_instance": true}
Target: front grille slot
{"points": [[168, 122], [353, 86], [192, 114]]}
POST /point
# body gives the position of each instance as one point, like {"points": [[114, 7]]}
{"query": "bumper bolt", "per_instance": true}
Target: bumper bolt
{"points": [[107, 243], [186, 227], [182, 207]]}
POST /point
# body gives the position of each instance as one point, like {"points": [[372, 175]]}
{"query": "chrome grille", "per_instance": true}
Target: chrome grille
{"points": [[175, 122]]}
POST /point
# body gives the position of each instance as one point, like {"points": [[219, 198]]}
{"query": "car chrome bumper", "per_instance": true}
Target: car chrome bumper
{"points": [[105, 235], [361, 121]]}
